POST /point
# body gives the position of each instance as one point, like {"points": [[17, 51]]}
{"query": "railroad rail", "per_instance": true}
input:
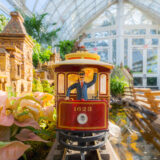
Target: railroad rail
{"points": [[58, 152]]}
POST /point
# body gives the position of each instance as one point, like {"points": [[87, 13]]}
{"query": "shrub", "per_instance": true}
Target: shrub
{"points": [[65, 47], [37, 86], [117, 86], [46, 87]]}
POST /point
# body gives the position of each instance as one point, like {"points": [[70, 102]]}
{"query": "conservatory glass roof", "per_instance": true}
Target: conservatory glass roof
{"points": [[73, 15]]}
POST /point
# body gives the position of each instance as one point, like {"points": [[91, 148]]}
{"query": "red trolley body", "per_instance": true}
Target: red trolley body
{"points": [[94, 114]]}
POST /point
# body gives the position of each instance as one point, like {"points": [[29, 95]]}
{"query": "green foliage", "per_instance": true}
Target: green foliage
{"points": [[37, 86], [117, 86], [46, 87], [150, 71], [128, 69], [118, 82], [40, 54], [38, 29], [45, 54], [117, 72], [10, 92], [66, 47], [3, 22]]}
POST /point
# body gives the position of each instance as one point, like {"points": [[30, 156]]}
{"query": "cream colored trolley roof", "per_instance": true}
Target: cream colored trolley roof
{"points": [[83, 62]]}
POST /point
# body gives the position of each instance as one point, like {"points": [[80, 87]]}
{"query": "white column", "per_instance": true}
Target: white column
{"points": [[158, 78], [130, 52], [120, 39], [144, 67], [110, 58]]}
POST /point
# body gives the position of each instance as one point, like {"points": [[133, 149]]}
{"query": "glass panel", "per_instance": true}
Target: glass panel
{"points": [[89, 35], [152, 60], [103, 79], [102, 34], [30, 4], [155, 41], [61, 83], [113, 32], [127, 32], [88, 74], [134, 16], [138, 41], [103, 43], [151, 81], [138, 31], [114, 50], [126, 52], [153, 31], [88, 78], [72, 78], [104, 55], [98, 35], [137, 81], [137, 60], [89, 44]]}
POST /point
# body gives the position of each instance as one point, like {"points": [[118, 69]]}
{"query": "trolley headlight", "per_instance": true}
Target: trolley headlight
{"points": [[82, 118]]}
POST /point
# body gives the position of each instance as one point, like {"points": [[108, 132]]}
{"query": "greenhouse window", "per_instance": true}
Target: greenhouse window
{"points": [[152, 60], [151, 81], [104, 55], [125, 52], [98, 35], [89, 35], [114, 50], [153, 31], [137, 60], [137, 81], [155, 41], [138, 41], [89, 44], [113, 32], [138, 31], [103, 43]]}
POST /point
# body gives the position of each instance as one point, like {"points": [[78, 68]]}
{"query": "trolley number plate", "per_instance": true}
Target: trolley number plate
{"points": [[83, 109]]}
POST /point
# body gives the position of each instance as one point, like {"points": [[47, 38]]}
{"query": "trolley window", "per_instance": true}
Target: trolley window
{"points": [[72, 78], [103, 84], [61, 87], [89, 72]]}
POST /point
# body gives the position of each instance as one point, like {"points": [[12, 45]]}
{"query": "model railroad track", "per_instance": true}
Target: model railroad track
{"points": [[73, 155], [87, 155], [58, 152]]}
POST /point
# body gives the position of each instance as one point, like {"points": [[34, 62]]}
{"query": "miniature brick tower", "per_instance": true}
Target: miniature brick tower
{"points": [[16, 69]]}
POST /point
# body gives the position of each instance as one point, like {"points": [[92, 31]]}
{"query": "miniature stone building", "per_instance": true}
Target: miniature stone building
{"points": [[16, 69], [45, 71]]}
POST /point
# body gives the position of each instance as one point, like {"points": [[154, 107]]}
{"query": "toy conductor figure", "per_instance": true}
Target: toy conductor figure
{"points": [[82, 86]]}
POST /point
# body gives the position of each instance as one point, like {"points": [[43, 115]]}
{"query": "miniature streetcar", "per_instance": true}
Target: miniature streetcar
{"points": [[82, 121]]}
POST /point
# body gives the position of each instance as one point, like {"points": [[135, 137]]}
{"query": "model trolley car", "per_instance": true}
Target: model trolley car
{"points": [[80, 122]]}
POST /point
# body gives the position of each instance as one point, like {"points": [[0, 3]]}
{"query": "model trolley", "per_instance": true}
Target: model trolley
{"points": [[81, 123]]}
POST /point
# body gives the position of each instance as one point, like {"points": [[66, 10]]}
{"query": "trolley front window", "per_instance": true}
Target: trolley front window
{"points": [[72, 78]]}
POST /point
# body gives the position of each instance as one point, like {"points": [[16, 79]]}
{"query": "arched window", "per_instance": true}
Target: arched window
{"points": [[103, 84], [61, 85]]}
